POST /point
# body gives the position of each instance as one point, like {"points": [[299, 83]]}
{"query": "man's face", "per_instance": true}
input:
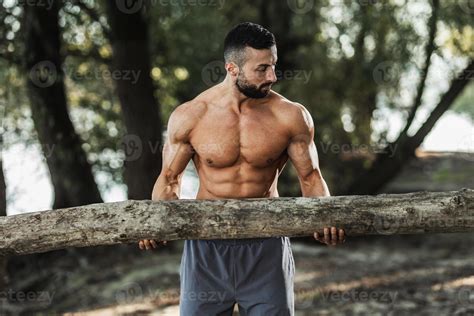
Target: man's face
{"points": [[257, 75]]}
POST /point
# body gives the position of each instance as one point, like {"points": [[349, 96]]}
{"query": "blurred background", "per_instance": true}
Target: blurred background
{"points": [[86, 89]]}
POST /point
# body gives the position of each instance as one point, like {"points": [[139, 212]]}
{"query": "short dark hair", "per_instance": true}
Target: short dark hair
{"points": [[243, 35]]}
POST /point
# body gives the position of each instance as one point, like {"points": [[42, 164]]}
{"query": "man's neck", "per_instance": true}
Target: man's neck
{"points": [[236, 98]]}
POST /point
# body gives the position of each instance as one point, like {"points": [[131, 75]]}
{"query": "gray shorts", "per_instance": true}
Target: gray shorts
{"points": [[256, 273]]}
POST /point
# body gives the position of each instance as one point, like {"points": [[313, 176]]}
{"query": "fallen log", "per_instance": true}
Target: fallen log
{"points": [[129, 221]]}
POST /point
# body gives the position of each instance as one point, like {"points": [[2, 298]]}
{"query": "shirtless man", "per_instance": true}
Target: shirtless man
{"points": [[240, 134]]}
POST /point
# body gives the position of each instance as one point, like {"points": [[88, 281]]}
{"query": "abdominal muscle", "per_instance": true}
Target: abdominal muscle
{"points": [[229, 184]]}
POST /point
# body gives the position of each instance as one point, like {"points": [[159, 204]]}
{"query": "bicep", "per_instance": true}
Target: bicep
{"points": [[302, 151], [168, 183], [303, 155], [176, 156], [177, 150]]}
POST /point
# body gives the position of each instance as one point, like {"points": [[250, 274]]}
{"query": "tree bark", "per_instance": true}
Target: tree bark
{"points": [[131, 221], [142, 144], [70, 171]]}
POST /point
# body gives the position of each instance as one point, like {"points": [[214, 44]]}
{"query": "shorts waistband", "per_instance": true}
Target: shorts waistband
{"points": [[238, 241]]}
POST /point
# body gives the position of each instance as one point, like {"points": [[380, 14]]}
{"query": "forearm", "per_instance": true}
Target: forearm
{"points": [[165, 189], [314, 185]]}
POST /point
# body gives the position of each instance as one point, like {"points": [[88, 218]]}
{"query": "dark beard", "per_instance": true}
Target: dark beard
{"points": [[251, 90]]}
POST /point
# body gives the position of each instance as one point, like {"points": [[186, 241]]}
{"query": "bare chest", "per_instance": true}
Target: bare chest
{"points": [[223, 140]]}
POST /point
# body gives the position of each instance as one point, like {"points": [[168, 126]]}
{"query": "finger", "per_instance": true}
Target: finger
{"points": [[320, 237], [141, 245], [147, 244], [317, 236], [342, 238], [333, 235], [326, 235], [153, 243]]}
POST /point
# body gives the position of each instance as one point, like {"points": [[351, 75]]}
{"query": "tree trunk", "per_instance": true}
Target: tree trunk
{"points": [[361, 93], [429, 50], [3, 186], [277, 17], [70, 171], [142, 144], [390, 162], [3, 212], [131, 221]]}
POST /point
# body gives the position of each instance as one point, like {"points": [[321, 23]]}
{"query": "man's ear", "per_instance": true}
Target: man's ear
{"points": [[232, 69]]}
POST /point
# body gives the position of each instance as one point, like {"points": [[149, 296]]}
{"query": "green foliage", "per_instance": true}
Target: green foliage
{"points": [[347, 60]]}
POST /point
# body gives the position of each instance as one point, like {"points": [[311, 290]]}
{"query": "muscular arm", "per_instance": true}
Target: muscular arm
{"points": [[177, 152], [304, 155]]}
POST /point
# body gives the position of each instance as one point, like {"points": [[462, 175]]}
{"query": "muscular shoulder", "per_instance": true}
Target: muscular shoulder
{"points": [[295, 117], [184, 118]]}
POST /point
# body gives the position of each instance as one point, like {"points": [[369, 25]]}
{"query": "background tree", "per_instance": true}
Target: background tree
{"points": [[3, 210], [362, 59], [70, 171], [129, 38]]}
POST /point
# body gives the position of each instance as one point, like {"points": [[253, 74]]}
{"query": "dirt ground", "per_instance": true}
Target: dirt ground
{"points": [[384, 275]]}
